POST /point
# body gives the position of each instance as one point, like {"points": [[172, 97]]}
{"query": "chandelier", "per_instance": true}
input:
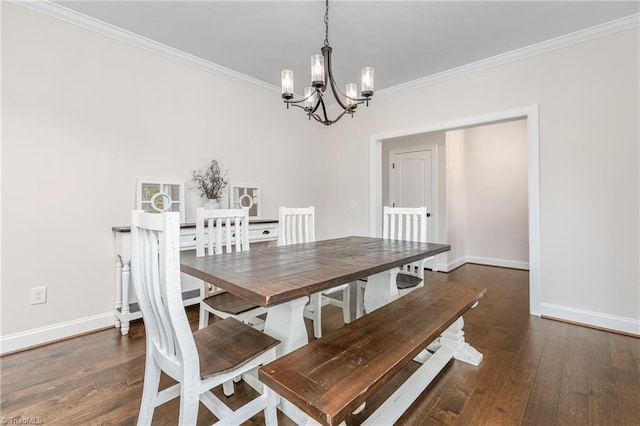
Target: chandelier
{"points": [[321, 77]]}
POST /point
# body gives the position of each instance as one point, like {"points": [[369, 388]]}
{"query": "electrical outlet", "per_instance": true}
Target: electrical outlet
{"points": [[38, 295]]}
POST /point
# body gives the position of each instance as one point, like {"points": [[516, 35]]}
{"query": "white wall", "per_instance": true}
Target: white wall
{"points": [[83, 116], [589, 160], [496, 194], [456, 200]]}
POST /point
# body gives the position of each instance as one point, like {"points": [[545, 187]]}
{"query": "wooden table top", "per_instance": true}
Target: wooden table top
{"points": [[274, 275]]}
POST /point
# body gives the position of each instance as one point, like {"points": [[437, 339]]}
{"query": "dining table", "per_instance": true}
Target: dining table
{"points": [[282, 278]]}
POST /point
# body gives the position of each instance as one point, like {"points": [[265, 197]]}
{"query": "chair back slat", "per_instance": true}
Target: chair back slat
{"points": [[415, 236], [405, 223], [155, 267], [413, 220], [228, 229], [296, 225]]}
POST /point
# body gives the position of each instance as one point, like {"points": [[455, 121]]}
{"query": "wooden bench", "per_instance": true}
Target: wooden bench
{"points": [[331, 377]]}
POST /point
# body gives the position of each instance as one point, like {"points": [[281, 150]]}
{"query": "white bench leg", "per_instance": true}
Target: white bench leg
{"points": [[395, 406], [451, 345], [453, 338]]}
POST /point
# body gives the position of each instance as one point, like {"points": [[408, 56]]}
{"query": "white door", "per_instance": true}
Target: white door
{"points": [[412, 183]]}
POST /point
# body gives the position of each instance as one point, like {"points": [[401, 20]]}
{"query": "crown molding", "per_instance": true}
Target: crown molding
{"points": [[68, 15], [57, 11], [601, 30]]}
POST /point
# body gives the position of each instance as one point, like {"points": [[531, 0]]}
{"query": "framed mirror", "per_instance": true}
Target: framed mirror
{"points": [[242, 194], [160, 195]]}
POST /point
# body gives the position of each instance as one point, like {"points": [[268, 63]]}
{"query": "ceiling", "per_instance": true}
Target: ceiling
{"points": [[402, 40]]}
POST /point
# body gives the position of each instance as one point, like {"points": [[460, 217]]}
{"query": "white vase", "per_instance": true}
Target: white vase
{"points": [[211, 204]]}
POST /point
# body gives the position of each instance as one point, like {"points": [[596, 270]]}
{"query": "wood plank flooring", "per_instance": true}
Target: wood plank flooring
{"points": [[534, 372]]}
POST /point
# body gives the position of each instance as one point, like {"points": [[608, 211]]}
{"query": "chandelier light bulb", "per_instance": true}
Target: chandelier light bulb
{"points": [[310, 97], [367, 81], [287, 84], [317, 70], [352, 94]]}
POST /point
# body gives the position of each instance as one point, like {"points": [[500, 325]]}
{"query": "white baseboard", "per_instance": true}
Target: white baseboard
{"points": [[581, 316], [595, 319], [51, 333], [503, 263], [450, 266]]}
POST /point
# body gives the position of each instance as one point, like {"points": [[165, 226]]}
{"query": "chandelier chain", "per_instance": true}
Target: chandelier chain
{"points": [[326, 25]]}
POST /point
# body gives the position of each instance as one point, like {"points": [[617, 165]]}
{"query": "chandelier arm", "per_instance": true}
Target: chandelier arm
{"points": [[341, 115], [294, 102], [317, 118], [324, 111], [358, 100], [324, 119], [313, 115], [299, 101], [326, 52], [298, 106], [318, 102]]}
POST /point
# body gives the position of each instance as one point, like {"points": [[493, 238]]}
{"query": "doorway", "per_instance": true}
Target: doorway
{"points": [[531, 115], [410, 178]]}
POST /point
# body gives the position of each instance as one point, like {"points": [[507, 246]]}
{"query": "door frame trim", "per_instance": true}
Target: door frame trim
{"points": [[531, 114]]}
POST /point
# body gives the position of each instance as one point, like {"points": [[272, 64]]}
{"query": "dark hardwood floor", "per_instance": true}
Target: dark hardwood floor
{"points": [[535, 371]]}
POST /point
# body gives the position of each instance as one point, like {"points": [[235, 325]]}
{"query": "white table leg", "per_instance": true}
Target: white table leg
{"points": [[380, 289], [285, 322]]}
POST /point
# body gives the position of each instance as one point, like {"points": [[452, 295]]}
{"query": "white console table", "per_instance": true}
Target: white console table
{"points": [[126, 310]]}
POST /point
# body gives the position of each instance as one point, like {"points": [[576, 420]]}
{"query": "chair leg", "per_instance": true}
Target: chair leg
{"points": [[149, 391], [227, 388], [317, 315], [270, 412], [189, 404], [204, 317], [346, 304]]}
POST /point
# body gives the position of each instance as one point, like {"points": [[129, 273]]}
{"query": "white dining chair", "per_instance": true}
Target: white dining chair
{"points": [[200, 360], [407, 224], [228, 231], [297, 225]]}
